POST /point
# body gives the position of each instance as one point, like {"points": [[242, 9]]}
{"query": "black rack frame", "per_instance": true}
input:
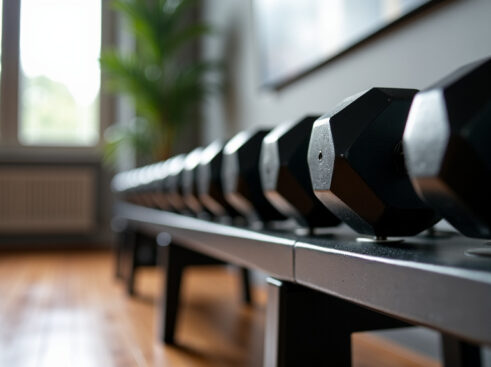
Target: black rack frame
{"points": [[323, 288]]}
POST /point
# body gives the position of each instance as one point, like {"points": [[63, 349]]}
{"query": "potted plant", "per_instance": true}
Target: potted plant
{"points": [[163, 81]]}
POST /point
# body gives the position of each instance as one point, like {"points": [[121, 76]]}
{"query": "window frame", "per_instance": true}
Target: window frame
{"points": [[10, 86]]}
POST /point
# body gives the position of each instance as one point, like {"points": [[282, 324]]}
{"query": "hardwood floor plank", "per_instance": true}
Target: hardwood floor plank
{"points": [[67, 309]]}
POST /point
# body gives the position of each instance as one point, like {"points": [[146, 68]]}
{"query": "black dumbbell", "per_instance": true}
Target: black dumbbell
{"points": [[131, 192], [130, 186], [357, 166], [147, 176], [189, 181], [121, 185], [138, 189], [240, 177], [158, 195], [134, 191], [173, 186], [447, 143], [285, 174], [162, 187], [210, 181]]}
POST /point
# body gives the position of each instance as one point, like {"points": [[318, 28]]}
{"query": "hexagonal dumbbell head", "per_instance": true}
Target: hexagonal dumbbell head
{"points": [[189, 181], [447, 143], [135, 191], [156, 186], [210, 181], [146, 188], [144, 178], [240, 177], [173, 185], [130, 193], [121, 185], [357, 167], [285, 174]]}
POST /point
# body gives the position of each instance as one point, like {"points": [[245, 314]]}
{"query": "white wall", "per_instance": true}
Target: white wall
{"points": [[414, 53]]}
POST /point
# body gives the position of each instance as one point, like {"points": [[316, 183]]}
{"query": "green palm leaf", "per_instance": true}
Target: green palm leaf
{"points": [[164, 84]]}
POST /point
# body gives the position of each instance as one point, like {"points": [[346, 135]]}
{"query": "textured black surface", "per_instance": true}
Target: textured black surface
{"points": [[449, 251], [264, 250], [209, 182], [285, 174], [448, 150], [357, 167], [427, 281], [241, 180]]}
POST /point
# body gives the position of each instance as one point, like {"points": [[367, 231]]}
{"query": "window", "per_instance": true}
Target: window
{"points": [[1, 27], [58, 44], [1, 11], [60, 77]]}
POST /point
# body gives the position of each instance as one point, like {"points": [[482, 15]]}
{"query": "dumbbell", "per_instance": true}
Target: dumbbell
{"points": [[148, 185], [240, 177], [190, 180], [121, 185], [137, 190], [145, 178], [155, 187], [285, 174], [125, 184], [172, 184], [131, 192], [357, 166], [447, 144], [209, 181]]}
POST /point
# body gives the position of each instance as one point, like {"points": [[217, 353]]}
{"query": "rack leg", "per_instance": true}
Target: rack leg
{"points": [[118, 254], [122, 232], [457, 353], [306, 328], [174, 260], [130, 251], [140, 250], [245, 276]]}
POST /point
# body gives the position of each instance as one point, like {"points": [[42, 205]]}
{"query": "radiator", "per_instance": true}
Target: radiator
{"points": [[47, 199]]}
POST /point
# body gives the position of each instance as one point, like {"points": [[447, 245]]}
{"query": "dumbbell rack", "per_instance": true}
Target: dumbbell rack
{"points": [[323, 288]]}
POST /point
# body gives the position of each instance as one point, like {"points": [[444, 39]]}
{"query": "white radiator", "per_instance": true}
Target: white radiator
{"points": [[47, 199]]}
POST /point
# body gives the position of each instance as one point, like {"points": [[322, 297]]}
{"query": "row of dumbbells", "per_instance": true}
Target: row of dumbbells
{"points": [[387, 162]]}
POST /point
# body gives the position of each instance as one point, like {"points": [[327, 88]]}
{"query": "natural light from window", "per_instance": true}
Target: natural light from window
{"points": [[1, 25], [60, 43]]}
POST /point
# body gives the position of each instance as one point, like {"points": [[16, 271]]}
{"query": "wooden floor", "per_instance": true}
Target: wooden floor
{"points": [[66, 309]]}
